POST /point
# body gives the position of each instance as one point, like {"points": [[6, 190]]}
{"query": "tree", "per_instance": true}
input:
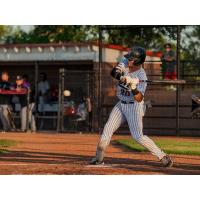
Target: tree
{"points": [[49, 34], [191, 43], [4, 32], [147, 36]]}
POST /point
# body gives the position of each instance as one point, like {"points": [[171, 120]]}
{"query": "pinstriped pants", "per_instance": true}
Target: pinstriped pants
{"points": [[4, 117], [133, 113]]}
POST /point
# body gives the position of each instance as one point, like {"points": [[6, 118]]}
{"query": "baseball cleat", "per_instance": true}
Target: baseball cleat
{"points": [[167, 161], [94, 161]]}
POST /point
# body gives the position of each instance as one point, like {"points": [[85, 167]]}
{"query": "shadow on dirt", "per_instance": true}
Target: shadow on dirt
{"points": [[138, 165]]}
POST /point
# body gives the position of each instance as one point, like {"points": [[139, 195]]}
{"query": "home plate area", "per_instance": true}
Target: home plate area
{"points": [[70, 154]]}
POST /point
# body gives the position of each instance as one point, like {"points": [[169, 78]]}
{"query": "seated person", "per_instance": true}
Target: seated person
{"points": [[43, 90], [82, 111]]}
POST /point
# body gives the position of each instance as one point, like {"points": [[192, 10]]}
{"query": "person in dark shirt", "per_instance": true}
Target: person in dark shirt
{"points": [[5, 101], [23, 101], [168, 63]]}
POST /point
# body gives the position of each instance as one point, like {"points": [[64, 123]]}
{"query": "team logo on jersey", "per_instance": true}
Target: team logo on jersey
{"points": [[125, 87]]}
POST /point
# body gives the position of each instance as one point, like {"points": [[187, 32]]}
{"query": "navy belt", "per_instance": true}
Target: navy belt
{"points": [[124, 102]]}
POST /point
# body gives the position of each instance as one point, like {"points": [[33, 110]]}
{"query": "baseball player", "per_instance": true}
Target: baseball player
{"points": [[130, 92], [22, 85]]}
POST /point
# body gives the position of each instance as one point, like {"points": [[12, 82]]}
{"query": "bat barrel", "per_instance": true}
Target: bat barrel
{"points": [[172, 82]]}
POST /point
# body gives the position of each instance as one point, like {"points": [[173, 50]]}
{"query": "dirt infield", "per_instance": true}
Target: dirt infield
{"points": [[70, 154]]}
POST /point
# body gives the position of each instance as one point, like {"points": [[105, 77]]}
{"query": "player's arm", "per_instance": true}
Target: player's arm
{"points": [[117, 72], [138, 96]]}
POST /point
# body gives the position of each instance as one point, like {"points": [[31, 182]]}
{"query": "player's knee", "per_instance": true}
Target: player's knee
{"points": [[138, 138], [109, 127]]}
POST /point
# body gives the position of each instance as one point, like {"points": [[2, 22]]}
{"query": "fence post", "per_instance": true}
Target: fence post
{"points": [[100, 78], [178, 77], [62, 98], [59, 101], [36, 90]]}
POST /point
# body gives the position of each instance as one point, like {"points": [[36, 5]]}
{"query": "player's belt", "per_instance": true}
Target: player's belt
{"points": [[125, 102]]}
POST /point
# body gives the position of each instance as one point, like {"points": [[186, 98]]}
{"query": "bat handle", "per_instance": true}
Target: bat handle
{"points": [[144, 81]]}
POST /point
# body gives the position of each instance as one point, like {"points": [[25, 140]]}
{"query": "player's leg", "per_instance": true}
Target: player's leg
{"points": [[5, 118], [116, 118], [134, 118], [32, 117], [23, 118]]}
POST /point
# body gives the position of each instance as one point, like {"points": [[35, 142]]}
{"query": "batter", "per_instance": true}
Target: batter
{"points": [[130, 108]]}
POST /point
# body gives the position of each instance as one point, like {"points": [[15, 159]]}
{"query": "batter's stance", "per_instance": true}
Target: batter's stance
{"points": [[130, 91]]}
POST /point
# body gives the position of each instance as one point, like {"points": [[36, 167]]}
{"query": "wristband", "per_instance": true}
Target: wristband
{"points": [[135, 92]]}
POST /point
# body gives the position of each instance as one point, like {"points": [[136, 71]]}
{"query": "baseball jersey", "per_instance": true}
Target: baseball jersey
{"points": [[5, 99], [125, 94]]}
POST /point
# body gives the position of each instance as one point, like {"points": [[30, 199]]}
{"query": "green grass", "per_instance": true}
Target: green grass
{"points": [[6, 143], [171, 146]]}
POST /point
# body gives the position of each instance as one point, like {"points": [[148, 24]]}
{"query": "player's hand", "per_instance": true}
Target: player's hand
{"points": [[133, 86], [128, 80], [135, 81]]}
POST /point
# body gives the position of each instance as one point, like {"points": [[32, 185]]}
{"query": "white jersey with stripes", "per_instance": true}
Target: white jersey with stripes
{"points": [[125, 94]]}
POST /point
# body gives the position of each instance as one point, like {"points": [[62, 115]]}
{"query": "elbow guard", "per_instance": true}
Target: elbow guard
{"points": [[116, 73]]}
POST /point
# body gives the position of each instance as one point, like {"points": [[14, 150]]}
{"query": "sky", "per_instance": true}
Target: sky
{"points": [[26, 28]]}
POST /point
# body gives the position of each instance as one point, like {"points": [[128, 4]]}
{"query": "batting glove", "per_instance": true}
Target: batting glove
{"points": [[128, 80]]}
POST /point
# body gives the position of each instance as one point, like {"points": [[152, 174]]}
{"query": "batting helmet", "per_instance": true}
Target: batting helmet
{"points": [[136, 54]]}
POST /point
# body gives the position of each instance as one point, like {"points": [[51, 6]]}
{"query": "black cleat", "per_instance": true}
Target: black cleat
{"points": [[94, 161], [167, 161]]}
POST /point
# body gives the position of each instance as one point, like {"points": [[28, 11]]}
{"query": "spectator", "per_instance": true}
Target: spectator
{"points": [[26, 82], [20, 85], [82, 111], [43, 90], [53, 96], [5, 101], [168, 63], [89, 110]]}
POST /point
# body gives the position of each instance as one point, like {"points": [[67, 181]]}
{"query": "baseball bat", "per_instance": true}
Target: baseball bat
{"points": [[175, 82], [172, 82]]}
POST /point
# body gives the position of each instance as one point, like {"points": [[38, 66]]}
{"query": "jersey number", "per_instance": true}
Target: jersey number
{"points": [[125, 92]]}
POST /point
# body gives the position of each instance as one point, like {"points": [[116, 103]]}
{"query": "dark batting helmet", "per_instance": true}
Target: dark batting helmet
{"points": [[136, 54]]}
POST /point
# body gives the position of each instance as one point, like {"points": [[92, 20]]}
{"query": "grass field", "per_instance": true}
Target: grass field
{"points": [[6, 143], [168, 145]]}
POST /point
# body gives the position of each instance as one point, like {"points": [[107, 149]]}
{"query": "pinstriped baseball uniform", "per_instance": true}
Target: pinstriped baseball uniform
{"points": [[132, 113]]}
